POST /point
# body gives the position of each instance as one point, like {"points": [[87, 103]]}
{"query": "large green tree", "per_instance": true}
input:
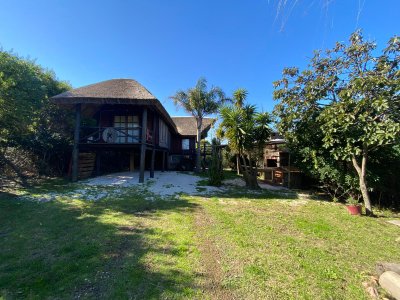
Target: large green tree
{"points": [[199, 102], [28, 120], [347, 101], [247, 131]]}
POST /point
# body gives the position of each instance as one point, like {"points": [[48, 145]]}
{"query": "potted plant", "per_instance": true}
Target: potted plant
{"points": [[353, 206]]}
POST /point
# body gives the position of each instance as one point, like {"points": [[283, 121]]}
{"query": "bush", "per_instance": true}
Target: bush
{"points": [[30, 125], [215, 170]]}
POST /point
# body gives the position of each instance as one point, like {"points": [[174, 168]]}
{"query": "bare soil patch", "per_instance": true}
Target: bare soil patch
{"points": [[211, 258]]}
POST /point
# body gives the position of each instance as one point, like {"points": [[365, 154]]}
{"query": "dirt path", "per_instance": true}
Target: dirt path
{"points": [[211, 258]]}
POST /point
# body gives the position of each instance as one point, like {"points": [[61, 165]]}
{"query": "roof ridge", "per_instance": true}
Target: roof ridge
{"points": [[190, 117], [112, 91]]}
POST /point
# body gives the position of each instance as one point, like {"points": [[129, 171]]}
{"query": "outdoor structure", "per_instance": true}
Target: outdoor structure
{"points": [[122, 116], [277, 165]]}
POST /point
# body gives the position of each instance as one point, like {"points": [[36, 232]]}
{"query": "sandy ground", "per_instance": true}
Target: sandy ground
{"points": [[164, 184]]}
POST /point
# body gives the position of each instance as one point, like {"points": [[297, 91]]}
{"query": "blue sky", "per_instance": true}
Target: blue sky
{"points": [[168, 44]]}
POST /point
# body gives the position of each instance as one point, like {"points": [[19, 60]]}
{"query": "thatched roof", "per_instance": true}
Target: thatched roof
{"points": [[127, 91], [107, 91], [188, 125], [114, 91]]}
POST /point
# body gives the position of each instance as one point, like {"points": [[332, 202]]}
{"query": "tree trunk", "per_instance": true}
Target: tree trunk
{"points": [[244, 168], [361, 171], [75, 150], [250, 177], [253, 174], [198, 149], [237, 164]]}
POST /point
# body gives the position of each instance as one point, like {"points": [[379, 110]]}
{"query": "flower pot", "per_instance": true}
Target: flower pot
{"points": [[354, 209]]}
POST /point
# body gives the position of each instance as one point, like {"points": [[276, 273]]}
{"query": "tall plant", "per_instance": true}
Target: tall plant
{"points": [[247, 131], [199, 102], [215, 170], [239, 98]]}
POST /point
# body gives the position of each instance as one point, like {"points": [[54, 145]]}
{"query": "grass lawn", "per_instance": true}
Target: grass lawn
{"points": [[235, 245]]}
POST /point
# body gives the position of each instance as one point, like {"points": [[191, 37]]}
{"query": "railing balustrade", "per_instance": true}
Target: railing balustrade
{"points": [[114, 135]]}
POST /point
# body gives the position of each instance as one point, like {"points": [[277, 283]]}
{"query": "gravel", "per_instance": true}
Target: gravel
{"points": [[164, 185]]}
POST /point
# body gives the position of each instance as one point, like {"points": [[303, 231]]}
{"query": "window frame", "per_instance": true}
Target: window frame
{"points": [[184, 144]]}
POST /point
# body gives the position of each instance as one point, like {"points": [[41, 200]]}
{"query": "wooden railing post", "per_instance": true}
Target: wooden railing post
{"points": [[75, 151]]}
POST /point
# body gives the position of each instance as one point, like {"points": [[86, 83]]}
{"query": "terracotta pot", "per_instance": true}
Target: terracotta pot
{"points": [[354, 209]]}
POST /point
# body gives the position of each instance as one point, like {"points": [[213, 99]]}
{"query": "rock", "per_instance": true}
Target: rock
{"points": [[390, 281], [385, 266], [394, 222]]}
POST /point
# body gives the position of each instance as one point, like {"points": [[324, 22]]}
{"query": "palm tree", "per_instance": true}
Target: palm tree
{"points": [[247, 131], [239, 97], [199, 102]]}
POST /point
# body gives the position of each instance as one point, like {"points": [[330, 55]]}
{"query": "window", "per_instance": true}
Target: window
{"points": [[185, 144], [164, 135], [128, 129], [272, 163]]}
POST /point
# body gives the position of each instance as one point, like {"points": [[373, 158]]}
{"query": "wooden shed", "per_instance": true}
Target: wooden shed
{"points": [[278, 169]]}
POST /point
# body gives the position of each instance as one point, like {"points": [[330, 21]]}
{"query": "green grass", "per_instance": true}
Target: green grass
{"points": [[253, 246], [112, 249]]}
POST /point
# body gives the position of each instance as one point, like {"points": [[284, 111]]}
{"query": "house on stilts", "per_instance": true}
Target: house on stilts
{"points": [[120, 117]]}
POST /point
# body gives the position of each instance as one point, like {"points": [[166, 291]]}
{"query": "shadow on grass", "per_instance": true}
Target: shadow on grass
{"points": [[260, 194], [74, 249]]}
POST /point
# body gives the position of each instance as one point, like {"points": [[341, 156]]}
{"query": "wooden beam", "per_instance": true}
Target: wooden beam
{"points": [[153, 151], [75, 150], [163, 161], [132, 161], [153, 155], [143, 146]]}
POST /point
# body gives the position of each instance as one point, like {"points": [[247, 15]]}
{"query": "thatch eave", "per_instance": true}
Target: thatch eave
{"points": [[114, 91]]}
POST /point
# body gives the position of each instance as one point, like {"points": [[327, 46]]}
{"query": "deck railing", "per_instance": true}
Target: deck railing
{"points": [[114, 135]]}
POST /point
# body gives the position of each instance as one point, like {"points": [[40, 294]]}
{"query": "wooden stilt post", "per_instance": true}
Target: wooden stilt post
{"points": [[75, 151], [153, 151], [153, 155], [204, 156], [143, 145], [132, 161], [163, 161]]}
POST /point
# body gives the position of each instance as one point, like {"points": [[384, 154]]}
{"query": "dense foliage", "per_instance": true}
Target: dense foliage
{"points": [[247, 132], [29, 124], [199, 102], [215, 168], [342, 113]]}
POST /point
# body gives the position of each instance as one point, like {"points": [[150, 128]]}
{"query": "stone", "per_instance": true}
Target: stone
{"points": [[385, 266], [390, 281]]}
